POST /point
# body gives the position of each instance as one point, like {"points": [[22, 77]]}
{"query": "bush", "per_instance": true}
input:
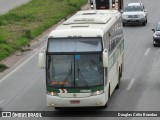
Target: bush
{"points": [[3, 67]]}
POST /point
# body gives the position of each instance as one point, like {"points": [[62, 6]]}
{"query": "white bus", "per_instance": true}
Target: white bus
{"points": [[84, 59]]}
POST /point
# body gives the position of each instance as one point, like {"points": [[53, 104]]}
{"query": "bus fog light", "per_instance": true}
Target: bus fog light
{"points": [[51, 105], [52, 93], [97, 92], [98, 103]]}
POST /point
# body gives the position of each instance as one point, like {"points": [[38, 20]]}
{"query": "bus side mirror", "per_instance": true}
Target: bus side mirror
{"points": [[105, 58], [42, 59]]}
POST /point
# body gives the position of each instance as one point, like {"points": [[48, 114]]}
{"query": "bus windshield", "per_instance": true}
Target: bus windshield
{"points": [[74, 70], [74, 62]]}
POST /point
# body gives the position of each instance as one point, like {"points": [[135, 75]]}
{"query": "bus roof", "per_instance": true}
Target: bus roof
{"points": [[88, 23]]}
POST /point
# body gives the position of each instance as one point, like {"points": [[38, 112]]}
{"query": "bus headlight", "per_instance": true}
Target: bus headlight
{"points": [[52, 93], [97, 93]]}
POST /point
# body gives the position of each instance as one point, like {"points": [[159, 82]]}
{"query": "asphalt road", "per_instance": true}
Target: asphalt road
{"points": [[24, 87], [6, 5]]}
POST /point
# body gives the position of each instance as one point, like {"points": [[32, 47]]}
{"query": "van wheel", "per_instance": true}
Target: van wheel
{"points": [[154, 45], [144, 23], [124, 24]]}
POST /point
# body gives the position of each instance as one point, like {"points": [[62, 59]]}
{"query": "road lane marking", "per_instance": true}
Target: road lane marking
{"points": [[130, 84], [17, 68], [1, 101], [147, 51]]}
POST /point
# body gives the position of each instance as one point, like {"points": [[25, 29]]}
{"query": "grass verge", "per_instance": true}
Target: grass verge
{"points": [[19, 26]]}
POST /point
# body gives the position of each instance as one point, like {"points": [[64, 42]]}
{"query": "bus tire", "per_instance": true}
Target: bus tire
{"points": [[121, 70], [119, 77], [105, 106], [57, 108], [109, 92]]}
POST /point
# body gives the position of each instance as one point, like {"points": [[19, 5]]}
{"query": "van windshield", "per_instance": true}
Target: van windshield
{"points": [[133, 8], [158, 27]]}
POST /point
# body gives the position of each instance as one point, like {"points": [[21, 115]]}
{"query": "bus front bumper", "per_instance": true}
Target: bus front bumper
{"points": [[55, 101]]}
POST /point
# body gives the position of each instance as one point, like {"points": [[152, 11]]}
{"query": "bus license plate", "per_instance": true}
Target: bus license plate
{"points": [[74, 101]]}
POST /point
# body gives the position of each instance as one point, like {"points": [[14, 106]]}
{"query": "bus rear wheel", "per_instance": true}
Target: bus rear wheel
{"points": [[119, 77]]}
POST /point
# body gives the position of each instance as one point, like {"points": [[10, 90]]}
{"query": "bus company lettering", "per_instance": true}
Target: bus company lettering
{"points": [[85, 91], [59, 82]]}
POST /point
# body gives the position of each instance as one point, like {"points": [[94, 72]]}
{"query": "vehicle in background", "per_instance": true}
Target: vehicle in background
{"points": [[91, 4], [156, 35], [84, 59], [134, 13], [106, 4]]}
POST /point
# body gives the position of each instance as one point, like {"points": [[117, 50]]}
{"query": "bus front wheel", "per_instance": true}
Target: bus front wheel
{"points": [[57, 108], [105, 106]]}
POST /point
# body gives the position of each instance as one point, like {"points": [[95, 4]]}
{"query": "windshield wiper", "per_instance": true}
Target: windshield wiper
{"points": [[68, 75], [79, 71]]}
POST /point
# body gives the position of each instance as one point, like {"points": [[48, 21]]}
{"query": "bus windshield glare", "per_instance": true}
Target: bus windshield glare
{"points": [[74, 45], [78, 68]]}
